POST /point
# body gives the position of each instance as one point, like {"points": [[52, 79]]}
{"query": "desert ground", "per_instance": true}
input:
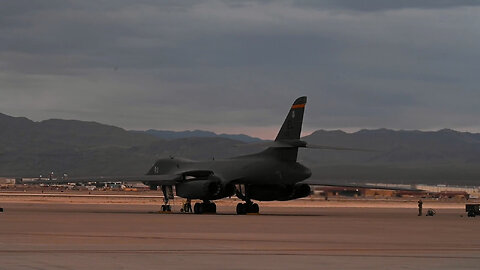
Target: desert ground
{"points": [[117, 231]]}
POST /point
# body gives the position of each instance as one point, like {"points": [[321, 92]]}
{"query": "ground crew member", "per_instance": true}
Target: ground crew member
{"points": [[187, 206], [420, 205]]}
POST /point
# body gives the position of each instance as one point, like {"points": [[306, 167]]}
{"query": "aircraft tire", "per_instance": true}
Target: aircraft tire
{"points": [[198, 208], [254, 208], [206, 207], [241, 209], [212, 208]]}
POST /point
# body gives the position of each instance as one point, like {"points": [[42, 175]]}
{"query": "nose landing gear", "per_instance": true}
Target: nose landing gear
{"points": [[167, 196]]}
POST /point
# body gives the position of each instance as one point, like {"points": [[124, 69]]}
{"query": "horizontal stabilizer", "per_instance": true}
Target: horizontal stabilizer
{"points": [[304, 144], [326, 147]]}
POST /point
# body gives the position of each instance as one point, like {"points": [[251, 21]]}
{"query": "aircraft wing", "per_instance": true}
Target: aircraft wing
{"points": [[158, 179], [369, 186]]}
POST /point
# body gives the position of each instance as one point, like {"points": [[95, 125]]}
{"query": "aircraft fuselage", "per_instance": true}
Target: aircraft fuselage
{"points": [[259, 170]]}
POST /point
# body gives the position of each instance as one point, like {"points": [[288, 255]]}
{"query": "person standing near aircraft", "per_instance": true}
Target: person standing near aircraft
{"points": [[420, 206]]}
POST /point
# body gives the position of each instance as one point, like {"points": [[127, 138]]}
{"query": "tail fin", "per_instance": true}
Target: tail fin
{"points": [[292, 127], [289, 134]]}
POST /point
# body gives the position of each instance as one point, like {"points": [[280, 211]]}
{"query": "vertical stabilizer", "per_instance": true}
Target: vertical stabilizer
{"points": [[290, 131], [292, 127]]}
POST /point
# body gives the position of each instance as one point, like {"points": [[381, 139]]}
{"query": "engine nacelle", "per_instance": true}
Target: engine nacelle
{"points": [[209, 189], [278, 192], [299, 191]]}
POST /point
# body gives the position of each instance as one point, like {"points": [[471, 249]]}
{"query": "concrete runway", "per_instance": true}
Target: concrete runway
{"points": [[125, 236]]}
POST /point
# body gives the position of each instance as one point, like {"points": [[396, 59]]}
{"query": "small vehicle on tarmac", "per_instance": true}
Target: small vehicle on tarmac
{"points": [[472, 209]]}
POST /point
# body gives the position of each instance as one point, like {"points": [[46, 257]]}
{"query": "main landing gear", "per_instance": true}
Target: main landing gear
{"points": [[247, 208], [206, 207]]}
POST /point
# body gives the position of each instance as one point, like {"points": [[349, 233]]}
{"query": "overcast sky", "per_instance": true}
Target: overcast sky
{"points": [[236, 66]]}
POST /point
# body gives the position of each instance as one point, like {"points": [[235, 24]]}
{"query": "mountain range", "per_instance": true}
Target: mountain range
{"points": [[171, 135], [29, 148]]}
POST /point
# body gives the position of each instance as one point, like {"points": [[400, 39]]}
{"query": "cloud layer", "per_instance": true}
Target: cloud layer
{"points": [[237, 65]]}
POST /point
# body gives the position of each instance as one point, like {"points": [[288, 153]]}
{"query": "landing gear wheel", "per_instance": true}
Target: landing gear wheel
{"points": [[198, 208], [247, 208], [254, 208], [166, 208], [212, 208], [205, 207], [241, 209]]}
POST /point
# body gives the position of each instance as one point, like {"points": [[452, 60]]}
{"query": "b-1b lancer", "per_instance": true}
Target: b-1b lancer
{"points": [[271, 175]]}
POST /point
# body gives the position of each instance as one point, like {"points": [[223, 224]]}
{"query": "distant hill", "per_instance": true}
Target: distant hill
{"points": [[28, 147], [89, 148], [171, 135]]}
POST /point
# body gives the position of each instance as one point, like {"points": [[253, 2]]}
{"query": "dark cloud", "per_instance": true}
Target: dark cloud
{"points": [[382, 5], [224, 65]]}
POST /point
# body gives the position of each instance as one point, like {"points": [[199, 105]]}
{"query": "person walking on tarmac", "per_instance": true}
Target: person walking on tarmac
{"points": [[420, 206]]}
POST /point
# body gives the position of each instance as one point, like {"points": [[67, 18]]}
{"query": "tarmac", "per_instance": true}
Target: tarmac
{"points": [[37, 234]]}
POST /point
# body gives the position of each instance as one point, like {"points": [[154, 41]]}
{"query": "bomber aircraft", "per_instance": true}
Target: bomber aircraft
{"points": [[270, 175]]}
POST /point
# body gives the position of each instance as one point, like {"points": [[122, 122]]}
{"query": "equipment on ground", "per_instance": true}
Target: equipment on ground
{"points": [[473, 209]]}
